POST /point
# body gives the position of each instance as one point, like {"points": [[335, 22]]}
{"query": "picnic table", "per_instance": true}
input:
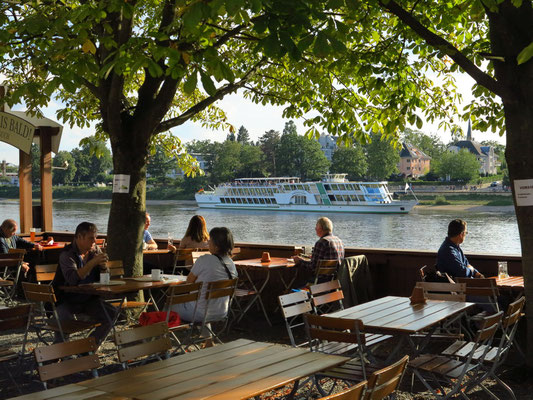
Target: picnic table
{"points": [[236, 370]]}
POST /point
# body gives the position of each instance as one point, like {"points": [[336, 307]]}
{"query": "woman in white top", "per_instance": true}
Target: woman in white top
{"points": [[209, 268], [196, 235]]}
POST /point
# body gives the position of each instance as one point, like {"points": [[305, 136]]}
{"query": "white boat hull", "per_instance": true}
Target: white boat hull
{"points": [[400, 207]]}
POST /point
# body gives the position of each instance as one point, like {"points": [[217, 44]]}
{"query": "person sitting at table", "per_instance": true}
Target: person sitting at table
{"points": [[450, 257], [8, 240], [210, 268], [196, 235], [328, 247], [148, 242], [80, 263]]}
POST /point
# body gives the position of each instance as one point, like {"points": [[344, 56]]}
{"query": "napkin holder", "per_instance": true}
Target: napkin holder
{"points": [[417, 296]]}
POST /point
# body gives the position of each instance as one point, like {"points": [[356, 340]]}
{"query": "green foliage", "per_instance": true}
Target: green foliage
{"points": [[160, 165], [243, 136], [440, 201], [429, 144], [301, 157], [269, 144], [65, 169], [93, 161], [382, 158], [350, 160], [35, 155], [461, 166]]}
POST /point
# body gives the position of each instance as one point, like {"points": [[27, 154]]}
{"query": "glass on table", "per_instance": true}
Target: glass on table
{"points": [[32, 234], [170, 240], [502, 270]]}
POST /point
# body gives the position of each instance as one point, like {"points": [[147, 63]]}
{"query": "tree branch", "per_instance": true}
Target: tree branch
{"points": [[446, 47]]}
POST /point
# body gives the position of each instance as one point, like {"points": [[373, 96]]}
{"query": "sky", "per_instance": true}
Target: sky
{"points": [[256, 118]]}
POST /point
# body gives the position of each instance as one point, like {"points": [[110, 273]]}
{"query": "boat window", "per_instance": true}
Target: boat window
{"points": [[274, 201], [331, 197], [327, 187], [256, 200], [318, 199], [334, 187]]}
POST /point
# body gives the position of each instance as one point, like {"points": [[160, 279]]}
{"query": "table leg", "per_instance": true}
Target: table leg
{"points": [[256, 296]]}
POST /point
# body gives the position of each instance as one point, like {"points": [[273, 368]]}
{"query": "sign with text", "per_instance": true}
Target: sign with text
{"points": [[121, 183], [523, 190], [16, 132]]}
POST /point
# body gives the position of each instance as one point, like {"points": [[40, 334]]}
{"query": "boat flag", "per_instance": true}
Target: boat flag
{"points": [[406, 188]]}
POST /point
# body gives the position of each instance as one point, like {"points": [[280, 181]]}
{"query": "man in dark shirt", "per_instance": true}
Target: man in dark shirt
{"points": [[8, 240], [79, 263], [328, 247], [450, 257]]}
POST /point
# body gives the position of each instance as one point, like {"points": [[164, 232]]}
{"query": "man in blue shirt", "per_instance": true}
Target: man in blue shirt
{"points": [[149, 242], [450, 258]]}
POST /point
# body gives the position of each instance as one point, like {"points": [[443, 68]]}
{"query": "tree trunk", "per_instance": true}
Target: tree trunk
{"points": [[127, 214], [519, 122]]}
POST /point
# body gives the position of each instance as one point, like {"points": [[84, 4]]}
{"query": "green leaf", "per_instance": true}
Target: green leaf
{"points": [[190, 84], [525, 55], [321, 47], [208, 84]]}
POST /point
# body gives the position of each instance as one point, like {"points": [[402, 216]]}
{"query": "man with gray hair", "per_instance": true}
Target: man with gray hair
{"points": [[328, 247]]}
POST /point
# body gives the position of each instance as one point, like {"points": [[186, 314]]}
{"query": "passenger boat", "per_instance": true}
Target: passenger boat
{"points": [[333, 194]]}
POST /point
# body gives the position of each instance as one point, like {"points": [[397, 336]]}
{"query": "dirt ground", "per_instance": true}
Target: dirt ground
{"points": [[257, 329]]}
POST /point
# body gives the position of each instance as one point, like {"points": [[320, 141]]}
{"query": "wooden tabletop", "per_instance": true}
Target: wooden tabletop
{"points": [[275, 262], [515, 283], [156, 251], [130, 286], [393, 314], [56, 245], [235, 370]]}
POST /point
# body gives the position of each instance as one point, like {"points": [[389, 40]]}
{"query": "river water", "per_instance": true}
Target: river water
{"points": [[421, 229]]}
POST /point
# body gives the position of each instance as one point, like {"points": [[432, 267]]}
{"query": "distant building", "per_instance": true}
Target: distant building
{"points": [[413, 162], [201, 158], [484, 154], [328, 145]]}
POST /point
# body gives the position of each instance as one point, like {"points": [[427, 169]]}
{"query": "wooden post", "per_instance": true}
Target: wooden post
{"points": [[46, 178], [26, 217]]}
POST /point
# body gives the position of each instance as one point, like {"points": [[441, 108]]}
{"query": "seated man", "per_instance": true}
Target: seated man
{"points": [[450, 257], [81, 262], [328, 247], [149, 242], [8, 240]]}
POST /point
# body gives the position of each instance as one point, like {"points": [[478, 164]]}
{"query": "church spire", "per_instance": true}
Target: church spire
{"points": [[469, 131]]}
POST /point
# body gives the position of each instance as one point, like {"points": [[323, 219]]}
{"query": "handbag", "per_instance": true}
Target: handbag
{"points": [[153, 317]]}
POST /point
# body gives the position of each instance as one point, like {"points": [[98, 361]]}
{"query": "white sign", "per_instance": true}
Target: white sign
{"points": [[16, 131], [121, 183], [523, 190]]}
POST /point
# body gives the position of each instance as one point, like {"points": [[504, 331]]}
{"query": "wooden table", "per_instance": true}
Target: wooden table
{"points": [[514, 285], [277, 264], [232, 371], [394, 315]]}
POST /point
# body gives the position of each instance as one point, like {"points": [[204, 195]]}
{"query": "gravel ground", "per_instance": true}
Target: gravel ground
{"points": [[258, 330]]}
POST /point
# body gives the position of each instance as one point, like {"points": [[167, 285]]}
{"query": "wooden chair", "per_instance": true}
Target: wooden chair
{"points": [[344, 337], [293, 306], [11, 319], [39, 321], [327, 297], [56, 360], [182, 259], [436, 371], [326, 270], [149, 341], [180, 294], [385, 381], [195, 255], [496, 356], [443, 291], [9, 278], [353, 393], [430, 274], [45, 273], [217, 290], [116, 270]]}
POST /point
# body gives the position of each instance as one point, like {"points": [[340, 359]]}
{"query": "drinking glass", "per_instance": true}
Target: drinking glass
{"points": [[32, 234], [170, 239], [502, 270]]}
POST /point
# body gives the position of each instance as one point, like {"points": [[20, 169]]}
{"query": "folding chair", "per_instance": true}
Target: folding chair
{"points": [[326, 270], [11, 265], [218, 290], [353, 393], [385, 381], [40, 295], [293, 307], [344, 337], [11, 319], [450, 292], [327, 297], [182, 260], [180, 294], [496, 356], [150, 342], [116, 270], [483, 292], [45, 273], [451, 372], [56, 360]]}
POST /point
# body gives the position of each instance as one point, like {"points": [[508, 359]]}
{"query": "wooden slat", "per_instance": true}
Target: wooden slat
{"points": [[297, 309], [157, 346], [54, 393], [67, 367], [59, 350], [140, 333]]}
